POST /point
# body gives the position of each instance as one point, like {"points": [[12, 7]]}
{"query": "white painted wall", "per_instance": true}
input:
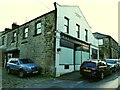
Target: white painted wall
{"points": [[75, 17]]}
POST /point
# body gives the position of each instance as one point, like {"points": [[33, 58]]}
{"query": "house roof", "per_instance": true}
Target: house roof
{"points": [[100, 35]]}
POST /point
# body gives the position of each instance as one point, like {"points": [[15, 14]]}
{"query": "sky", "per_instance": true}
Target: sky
{"points": [[102, 15]]}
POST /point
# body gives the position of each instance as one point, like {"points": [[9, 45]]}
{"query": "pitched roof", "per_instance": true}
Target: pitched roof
{"points": [[99, 35]]}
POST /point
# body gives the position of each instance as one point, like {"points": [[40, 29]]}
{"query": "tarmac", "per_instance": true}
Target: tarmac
{"points": [[73, 76]]}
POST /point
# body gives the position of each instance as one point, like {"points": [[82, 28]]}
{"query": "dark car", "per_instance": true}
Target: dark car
{"points": [[95, 68], [22, 66], [113, 64]]}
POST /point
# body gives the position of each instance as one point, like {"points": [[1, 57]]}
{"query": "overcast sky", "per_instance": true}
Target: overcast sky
{"points": [[102, 15]]}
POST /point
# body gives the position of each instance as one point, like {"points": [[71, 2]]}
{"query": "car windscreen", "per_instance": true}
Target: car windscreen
{"points": [[89, 64], [110, 61], [25, 61]]}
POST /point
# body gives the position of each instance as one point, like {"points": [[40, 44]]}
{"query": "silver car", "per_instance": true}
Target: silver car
{"points": [[22, 66], [113, 64]]}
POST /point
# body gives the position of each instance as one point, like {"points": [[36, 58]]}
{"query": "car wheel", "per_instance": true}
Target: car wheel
{"points": [[115, 69], [110, 72], [102, 76], [21, 74], [8, 70]]}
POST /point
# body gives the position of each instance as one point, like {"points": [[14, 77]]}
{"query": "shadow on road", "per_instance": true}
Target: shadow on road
{"points": [[75, 76]]}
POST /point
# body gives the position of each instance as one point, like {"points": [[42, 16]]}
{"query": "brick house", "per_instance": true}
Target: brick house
{"points": [[108, 47], [59, 40]]}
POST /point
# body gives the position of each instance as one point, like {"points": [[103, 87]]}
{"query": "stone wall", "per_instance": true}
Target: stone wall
{"points": [[39, 48], [109, 49]]}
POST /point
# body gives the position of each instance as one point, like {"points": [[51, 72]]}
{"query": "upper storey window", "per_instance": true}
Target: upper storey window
{"points": [[14, 37], [38, 28], [3, 40], [77, 31], [86, 35], [25, 33], [66, 25]]}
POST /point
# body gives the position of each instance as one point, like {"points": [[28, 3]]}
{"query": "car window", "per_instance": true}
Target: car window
{"points": [[89, 64], [11, 61], [101, 64], [25, 61], [14, 62], [110, 61]]}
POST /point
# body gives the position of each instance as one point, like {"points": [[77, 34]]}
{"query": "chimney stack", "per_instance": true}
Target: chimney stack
{"points": [[14, 25], [7, 29]]}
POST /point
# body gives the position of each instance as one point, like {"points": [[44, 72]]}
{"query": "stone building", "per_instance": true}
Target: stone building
{"points": [[59, 40], [3, 46], [108, 47], [119, 52]]}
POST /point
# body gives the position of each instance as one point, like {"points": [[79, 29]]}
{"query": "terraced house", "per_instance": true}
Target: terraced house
{"points": [[108, 47], [59, 40]]}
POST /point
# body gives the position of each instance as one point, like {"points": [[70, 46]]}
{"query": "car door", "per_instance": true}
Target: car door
{"points": [[107, 68], [103, 67], [14, 65]]}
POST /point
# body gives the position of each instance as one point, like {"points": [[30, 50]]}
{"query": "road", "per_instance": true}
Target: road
{"points": [[108, 82], [73, 80]]}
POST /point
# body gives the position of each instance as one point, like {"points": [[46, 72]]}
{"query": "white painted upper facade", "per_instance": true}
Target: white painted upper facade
{"points": [[75, 16], [69, 56]]}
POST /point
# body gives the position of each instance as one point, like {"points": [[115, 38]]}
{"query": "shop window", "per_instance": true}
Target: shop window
{"points": [[66, 43]]}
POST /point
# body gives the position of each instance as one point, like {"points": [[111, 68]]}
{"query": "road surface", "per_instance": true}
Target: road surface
{"points": [[73, 80]]}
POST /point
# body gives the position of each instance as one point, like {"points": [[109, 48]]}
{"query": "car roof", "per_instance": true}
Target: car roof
{"points": [[94, 60], [15, 59]]}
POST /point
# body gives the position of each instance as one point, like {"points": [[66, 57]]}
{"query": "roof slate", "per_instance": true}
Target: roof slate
{"points": [[99, 35]]}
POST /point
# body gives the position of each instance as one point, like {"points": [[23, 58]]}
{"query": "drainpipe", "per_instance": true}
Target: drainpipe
{"points": [[55, 74]]}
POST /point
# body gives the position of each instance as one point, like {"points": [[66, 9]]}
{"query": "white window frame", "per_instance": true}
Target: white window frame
{"points": [[38, 27], [14, 36], [25, 32]]}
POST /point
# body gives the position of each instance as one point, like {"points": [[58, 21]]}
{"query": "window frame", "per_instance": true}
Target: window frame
{"points": [[37, 28], [25, 33], [66, 25], [14, 36], [86, 35], [3, 40], [77, 30]]}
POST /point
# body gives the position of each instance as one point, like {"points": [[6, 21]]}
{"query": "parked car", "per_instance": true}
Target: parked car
{"points": [[113, 64], [95, 68], [22, 66], [118, 63]]}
